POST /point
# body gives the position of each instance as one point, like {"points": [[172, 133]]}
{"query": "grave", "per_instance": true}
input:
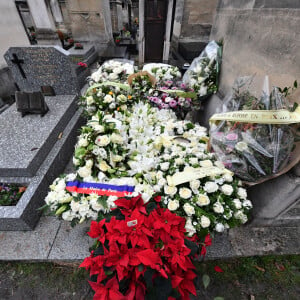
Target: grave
{"points": [[86, 55], [37, 66], [261, 41], [34, 150]]}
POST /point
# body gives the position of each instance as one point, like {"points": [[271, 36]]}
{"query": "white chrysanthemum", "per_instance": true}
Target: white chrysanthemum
{"points": [[185, 193], [202, 200], [227, 189], [189, 209]]}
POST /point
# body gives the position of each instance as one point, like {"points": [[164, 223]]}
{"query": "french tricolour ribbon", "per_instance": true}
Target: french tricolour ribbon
{"points": [[100, 189]]}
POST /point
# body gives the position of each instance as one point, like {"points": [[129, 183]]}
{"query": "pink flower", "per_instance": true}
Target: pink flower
{"points": [[172, 103], [232, 136]]}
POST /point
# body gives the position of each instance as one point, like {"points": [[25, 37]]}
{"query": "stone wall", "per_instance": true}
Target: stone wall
{"points": [[7, 87], [87, 18], [12, 32], [262, 37], [197, 19]]}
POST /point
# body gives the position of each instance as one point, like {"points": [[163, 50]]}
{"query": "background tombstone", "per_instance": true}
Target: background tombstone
{"points": [[261, 37], [35, 66]]}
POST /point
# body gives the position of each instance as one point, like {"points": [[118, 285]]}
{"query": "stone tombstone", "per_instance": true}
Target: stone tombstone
{"points": [[37, 66]]}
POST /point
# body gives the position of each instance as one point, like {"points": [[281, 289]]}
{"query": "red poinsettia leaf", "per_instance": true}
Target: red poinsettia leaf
{"points": [[176, 280], [218, 269], [189, 286], [208, 240], [157, 198], [203, 251], [148, 257]]}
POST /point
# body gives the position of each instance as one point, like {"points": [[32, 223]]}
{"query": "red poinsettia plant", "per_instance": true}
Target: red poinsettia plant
{"points": [[141, 251]]}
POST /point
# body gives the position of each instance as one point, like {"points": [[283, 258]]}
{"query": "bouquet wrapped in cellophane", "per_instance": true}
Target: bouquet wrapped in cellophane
{"points": [[253, 136]]}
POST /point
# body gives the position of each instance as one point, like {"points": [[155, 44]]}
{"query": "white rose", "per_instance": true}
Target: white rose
{"points": [[108, 99], [219, 227], [89, 163], [83, 142], [102, 140], [227, 177], [103, 166], [218, 208], [179, 161], [228, 215], [76, 161], [237, 203], [242, 193], [99, 128], [84, 172], [195, 184], [202, 200], [210, 187], [71, 177], [189, 209], [162, 182], [203, 90], [173, 205], [247, 204], [206, 163], [170, 190], [227, 189], [241, 216], [204, 222], [193, 160], [185, 193], [89, 100], [191, 230], [116, 138], [241, 146], [165, 166]]}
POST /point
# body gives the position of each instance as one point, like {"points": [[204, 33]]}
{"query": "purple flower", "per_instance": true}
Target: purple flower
{"points": [[172, 103], [183, 86]]}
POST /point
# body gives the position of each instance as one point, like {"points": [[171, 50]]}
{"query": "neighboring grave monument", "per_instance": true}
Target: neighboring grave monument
{"points": [[261, 37], [38, 66]]}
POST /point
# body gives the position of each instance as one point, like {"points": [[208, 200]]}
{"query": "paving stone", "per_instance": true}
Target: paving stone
{"points": [[71, 243], [29, 245], [247, 241]]}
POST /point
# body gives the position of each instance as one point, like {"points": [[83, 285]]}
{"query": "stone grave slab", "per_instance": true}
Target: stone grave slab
{"points": [[36, 66], [25, 142], [41, 168]]}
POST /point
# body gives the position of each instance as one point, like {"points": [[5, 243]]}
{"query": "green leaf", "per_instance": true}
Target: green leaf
{"points": [[79, 152], [218, 298], [205, 280]]}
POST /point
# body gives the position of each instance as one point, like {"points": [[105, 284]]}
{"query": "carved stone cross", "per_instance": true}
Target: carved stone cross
{"points": [[18, 62]]}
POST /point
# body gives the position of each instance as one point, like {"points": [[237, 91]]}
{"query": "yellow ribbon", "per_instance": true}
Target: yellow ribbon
{"points": [[281, 116]]}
